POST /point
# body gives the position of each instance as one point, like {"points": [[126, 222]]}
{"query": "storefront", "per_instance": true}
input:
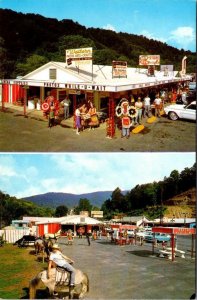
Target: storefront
{"points": [[96, 85], [72, 223]]}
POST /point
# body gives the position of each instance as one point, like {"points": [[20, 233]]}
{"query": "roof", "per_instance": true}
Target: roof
{"points": [[78, 219], [40, 219], [133, 219], [175, 230], [96, 77], [74, 219], [177, 220]]}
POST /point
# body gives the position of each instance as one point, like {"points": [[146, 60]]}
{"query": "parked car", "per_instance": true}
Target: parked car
{"points": [[179, 111], [131, 233], [159, 237], [26, 240], [192, 86]]}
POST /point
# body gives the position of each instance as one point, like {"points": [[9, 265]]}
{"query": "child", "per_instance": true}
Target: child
{"points": [[51, 117]]}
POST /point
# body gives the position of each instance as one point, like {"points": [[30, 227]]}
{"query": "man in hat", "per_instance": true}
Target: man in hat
{"points": [[58, 259]]}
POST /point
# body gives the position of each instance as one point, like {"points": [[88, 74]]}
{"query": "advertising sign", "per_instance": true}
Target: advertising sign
{"points": [[167, 69], [149, 60], [119, 68], [79, 56]]}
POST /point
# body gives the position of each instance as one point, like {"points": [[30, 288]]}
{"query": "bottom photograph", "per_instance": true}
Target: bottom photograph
{"points": [[98, 226]]}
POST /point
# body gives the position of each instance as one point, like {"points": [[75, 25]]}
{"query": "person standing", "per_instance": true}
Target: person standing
{"points": [[126, 124], [147, 106], [158, 104], [78, 119], [56, 257], [138, 106], [66, 102], [94, 118], [51, 117], [88, 238]]}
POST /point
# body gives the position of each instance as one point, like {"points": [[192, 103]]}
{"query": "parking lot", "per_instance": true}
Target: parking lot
{"points": [[31, 134], [132, 271]]}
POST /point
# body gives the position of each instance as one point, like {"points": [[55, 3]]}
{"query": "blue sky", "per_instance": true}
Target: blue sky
{"points": [[170, 21], [30, 174]]}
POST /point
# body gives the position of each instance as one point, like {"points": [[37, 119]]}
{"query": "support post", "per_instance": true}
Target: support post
{"points": [[172, 245], [74, 109]]}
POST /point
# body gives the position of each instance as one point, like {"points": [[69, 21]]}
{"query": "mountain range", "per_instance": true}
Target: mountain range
{"points": [[53, 200]]}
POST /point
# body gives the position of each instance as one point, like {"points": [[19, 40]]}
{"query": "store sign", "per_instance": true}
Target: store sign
{"points": [[79, 56], [85, 87], [119, 69], [167, 69], [183, 231], [149, 60]]}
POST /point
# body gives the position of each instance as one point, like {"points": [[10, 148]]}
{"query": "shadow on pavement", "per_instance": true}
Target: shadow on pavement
{"points": [[142, 253]]}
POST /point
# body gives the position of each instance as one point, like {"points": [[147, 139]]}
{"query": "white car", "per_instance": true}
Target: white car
{"points": [[177, 111]]}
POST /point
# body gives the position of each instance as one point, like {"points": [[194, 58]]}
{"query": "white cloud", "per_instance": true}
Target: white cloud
{"points": [[109, 27], [150, 35], [7, 171], [183, 36], [79, 173]]}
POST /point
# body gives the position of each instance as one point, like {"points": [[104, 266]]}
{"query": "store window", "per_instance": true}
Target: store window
{"points": [[104, 102], [52, 73]]}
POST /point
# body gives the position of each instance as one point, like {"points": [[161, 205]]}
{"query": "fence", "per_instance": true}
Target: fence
{"points": [[12, 235]]}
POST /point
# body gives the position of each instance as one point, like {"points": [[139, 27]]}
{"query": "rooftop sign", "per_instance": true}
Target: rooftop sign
{"points": [[119, 69], [149, 60], [79, 56]]}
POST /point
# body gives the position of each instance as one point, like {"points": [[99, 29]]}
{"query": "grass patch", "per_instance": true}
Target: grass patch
{"points": [[18, 267]]}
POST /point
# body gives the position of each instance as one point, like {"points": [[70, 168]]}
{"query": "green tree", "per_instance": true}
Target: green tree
{"points": [[84, 205], [61, 211], [72, 42], [32, 62], [3, 59]]}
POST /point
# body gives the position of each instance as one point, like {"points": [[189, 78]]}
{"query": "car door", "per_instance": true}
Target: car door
{"points": [[189, 112]]}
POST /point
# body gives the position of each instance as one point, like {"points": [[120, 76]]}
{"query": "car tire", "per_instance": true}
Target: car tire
{"points": [[173, 116]]}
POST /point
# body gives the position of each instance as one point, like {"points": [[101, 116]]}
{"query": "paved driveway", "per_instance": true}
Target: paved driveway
{"points": [[132, 272]]}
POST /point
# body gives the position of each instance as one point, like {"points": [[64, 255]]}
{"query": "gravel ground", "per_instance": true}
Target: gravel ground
{"points": [[31, 134]]}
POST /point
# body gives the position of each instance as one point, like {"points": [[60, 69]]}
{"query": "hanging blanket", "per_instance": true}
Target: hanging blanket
{"points": [[61, 277]]}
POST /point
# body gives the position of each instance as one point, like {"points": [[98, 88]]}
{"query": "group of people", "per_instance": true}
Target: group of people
{"points": [[143, 107], [140, 108], [85, 115]]}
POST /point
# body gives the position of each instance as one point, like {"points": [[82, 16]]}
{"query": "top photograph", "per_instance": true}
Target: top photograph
{"points": [[97, 84]]}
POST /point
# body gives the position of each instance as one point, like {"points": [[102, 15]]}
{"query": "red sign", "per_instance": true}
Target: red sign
{"points": [[175, 230]]}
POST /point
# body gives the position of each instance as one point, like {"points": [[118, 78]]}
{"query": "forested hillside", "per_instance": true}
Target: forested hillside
{"points": [[149, 199], [27, 41]]}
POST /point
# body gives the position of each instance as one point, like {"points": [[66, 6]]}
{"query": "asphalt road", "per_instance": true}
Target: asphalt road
{"points": [[31, 134], [132, 271]]}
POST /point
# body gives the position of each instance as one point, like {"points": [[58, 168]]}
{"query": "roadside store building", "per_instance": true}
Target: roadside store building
{"points": [[94, 83], [64, 224]]}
